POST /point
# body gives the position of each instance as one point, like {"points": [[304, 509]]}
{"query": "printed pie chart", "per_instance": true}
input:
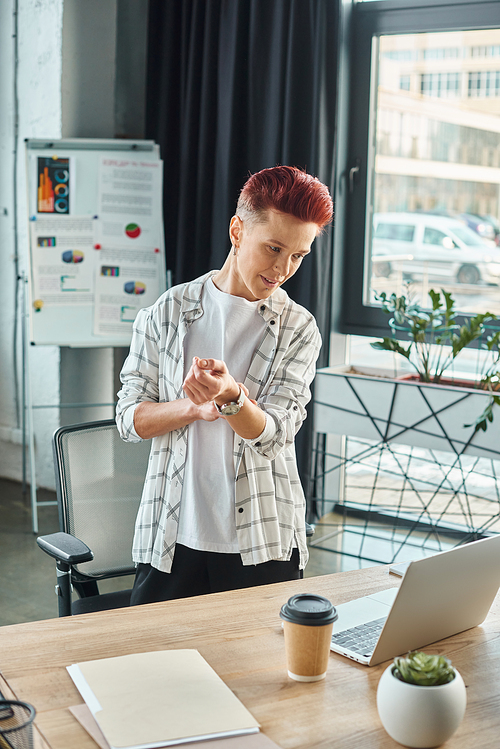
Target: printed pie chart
{"points": [[134, 287], [72, 256], [132, 230]]}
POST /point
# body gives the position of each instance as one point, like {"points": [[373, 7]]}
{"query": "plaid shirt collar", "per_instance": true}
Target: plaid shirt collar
{"points": [[192, 308]]}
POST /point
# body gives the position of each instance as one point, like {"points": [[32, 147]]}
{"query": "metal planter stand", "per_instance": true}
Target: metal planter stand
{"points": [[396, 432]]}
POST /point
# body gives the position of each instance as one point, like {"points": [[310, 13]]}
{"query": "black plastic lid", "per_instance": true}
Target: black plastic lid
{"points": [[309, 609]]}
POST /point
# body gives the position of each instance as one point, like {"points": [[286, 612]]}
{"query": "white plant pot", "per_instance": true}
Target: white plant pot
{"points": [[374, 405], [420, 716]]}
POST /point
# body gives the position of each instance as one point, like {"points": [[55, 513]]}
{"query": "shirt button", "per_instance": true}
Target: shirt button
{"points": [[262, 307], [295, 408], [272, 322], [241, 509], [258, 444]]}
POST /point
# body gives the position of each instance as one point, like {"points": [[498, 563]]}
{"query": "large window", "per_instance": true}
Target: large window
{"points": [[419, 186]]}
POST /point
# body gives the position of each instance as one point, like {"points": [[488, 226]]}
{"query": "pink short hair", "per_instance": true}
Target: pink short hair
{"points": [[288, 190]]}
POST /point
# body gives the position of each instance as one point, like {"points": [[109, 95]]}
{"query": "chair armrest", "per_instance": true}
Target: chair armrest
{"points": [[65, 548]]}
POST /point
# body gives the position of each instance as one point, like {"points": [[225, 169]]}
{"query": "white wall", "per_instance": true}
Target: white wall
{"points": [[39, 112], [67, 87], [8, 415]]}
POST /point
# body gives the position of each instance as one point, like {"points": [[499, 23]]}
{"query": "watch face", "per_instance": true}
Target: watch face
{"points": [[230, 409]]}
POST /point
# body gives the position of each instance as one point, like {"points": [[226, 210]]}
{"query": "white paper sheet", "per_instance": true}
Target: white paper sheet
{"points": [[130, 203], [63, 260], [126, 280]]}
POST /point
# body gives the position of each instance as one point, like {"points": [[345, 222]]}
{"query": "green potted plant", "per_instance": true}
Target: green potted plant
{"points": [[421, 699], [435, 341]]}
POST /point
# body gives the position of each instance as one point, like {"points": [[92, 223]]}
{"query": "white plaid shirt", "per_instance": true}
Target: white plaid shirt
{"points": [[269, 501]]}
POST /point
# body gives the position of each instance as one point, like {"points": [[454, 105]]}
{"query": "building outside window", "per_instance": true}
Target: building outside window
{"points": [[439, 84], [436, 122], [484, 83]]}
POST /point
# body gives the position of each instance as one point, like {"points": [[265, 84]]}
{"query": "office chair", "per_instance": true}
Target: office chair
{"points": [[99, 480]]}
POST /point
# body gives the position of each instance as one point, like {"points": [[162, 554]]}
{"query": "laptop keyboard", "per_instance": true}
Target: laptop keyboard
{"points": [[361, 639]]}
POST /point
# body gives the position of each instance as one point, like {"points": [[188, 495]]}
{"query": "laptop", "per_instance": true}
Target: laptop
{"points": [[439, 596]]}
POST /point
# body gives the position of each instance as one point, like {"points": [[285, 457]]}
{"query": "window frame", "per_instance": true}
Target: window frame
{"points": [[363, 23]]}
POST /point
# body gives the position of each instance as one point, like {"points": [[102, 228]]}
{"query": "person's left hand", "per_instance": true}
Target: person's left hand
{"points": [[209, 380]]}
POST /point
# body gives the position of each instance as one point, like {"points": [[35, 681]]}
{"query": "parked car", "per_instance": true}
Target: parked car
{"points": [[487, 227], [438, 247], [495, 223], [481, 225]]}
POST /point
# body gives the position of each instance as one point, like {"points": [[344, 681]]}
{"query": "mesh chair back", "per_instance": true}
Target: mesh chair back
{"points": [[100, 480]]}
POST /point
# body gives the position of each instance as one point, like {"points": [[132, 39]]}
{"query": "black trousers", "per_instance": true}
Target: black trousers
{"points": [[195, 573]]}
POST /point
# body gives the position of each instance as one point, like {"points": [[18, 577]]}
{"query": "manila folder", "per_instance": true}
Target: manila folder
{"points": [[159, 699]]}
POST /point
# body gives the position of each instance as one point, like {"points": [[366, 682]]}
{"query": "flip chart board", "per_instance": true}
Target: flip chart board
{"points": [[96, 247]]}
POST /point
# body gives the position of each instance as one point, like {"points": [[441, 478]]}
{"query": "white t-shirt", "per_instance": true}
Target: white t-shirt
{"points": [[230, 329]]}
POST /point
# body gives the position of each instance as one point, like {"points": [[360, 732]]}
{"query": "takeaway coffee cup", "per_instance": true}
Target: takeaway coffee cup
{"points": [[307, 625]]}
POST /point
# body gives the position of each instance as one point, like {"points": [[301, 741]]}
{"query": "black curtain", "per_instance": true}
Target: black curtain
{"points": [[235, 86]]}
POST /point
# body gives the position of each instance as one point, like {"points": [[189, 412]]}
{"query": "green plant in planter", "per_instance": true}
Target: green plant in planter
{"points": [[423, 670], [436, 339]]}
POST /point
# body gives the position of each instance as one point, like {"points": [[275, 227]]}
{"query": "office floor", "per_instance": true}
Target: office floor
{"points": [[27, 575]]}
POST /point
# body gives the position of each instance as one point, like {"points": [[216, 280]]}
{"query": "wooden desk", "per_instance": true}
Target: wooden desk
{"points": [[239, 633]]}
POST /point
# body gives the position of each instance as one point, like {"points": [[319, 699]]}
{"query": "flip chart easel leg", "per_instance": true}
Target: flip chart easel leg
{"points": [[28, 409], [34, 505], [23, 281]]}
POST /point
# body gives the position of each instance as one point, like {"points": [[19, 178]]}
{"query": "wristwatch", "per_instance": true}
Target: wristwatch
{"points": [[232, 408]]}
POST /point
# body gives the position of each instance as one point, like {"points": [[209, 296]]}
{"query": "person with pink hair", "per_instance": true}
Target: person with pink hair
{"points": [[218, 377]]}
